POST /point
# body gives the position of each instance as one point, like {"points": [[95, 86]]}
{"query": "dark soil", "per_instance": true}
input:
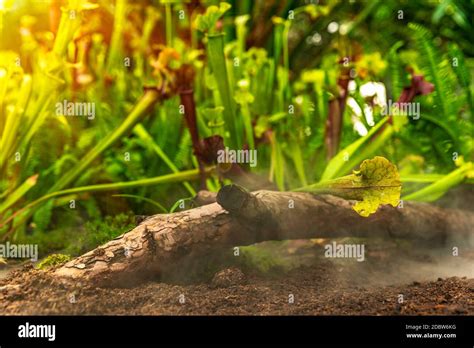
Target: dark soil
{"points": [[327, 287]]}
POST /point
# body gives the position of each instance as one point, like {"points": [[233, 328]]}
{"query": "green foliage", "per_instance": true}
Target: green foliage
{"points": [[207, 22], [362, 148], [215, 50], [440, 186], [462, 72], [137, 113], [18, 193], [42, 216], [397, 75], [438, 71], [443, 120], [266, 81]]}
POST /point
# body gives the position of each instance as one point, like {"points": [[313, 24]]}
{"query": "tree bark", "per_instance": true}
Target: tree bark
{"points": [[161, 242]]}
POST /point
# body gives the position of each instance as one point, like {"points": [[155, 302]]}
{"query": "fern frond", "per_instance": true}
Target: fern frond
{"points": [[437, 70], [462, 73]]}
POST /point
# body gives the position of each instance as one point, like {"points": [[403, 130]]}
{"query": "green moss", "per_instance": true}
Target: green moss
{"points": [[98, 232], [267, 257], [53, 260]]}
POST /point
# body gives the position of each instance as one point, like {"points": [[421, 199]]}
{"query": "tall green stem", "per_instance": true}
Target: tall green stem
{"points": [[434, 191], [24, 213], [286, 59], [70, 21], [215, 47], [277, 47], [169, 25], [116, 41], [248, 125], [187, 175]]}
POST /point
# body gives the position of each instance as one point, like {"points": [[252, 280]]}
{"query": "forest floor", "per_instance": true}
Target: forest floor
{"points": [[432, 282]]}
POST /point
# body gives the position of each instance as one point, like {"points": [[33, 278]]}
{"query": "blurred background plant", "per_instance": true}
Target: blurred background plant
{"points": [[172, 81]]}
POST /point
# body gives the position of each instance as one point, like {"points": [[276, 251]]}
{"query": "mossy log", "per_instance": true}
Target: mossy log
{"points": [[159, 244]]}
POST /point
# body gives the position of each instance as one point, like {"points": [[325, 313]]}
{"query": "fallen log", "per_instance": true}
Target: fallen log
{"points": [[159, 243]]}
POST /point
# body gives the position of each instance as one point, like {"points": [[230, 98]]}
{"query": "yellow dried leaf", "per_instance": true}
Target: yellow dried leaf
{"points": [[377, 182], [380, 184]]}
